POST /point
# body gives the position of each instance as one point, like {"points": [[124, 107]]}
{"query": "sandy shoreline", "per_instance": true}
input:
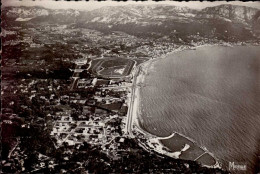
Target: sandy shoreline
{"points": [[154, 142]]}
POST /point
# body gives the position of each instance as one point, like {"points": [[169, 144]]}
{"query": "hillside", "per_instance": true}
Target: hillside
{"points": [[231, 13], [238, 22]]}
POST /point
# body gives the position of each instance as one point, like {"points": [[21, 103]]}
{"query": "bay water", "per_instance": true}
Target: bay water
{"points": [[211, 95]]}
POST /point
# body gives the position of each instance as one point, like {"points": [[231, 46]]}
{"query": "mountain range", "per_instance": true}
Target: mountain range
{"points": [[238, 20]]}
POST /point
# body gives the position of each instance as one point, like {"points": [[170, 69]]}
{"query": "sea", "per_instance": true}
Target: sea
{"points": [[211, 95]]}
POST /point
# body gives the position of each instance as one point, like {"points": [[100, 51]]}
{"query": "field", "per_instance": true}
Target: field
{"points": [[112, 67]]}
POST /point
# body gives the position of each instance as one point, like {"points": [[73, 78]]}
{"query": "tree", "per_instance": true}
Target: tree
{"points": [[85, 74]]}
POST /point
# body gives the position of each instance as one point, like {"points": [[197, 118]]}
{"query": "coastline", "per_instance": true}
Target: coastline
{"points": [[153, 143]]}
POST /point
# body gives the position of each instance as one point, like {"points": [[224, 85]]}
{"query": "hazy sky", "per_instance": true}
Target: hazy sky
{"points": [[94, 4]]}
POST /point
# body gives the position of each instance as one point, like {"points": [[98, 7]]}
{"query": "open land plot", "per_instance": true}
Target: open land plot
{"points": [[112, 67]]}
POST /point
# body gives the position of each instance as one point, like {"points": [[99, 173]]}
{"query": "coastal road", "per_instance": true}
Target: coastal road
{"points": [[129, 122]]}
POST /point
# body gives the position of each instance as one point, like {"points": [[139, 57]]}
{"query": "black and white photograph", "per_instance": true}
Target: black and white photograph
{"points": [[130, 87]]}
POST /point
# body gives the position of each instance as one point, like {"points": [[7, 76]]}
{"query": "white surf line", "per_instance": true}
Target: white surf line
{"points": [[168, 137]]}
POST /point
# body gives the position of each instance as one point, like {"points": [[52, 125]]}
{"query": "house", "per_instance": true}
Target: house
{"points": [[94, 81], [86, 110], [101, 82], [123, 110], [91, 102], [100, 111], [7, 168], [82, 83], [112, 106]]}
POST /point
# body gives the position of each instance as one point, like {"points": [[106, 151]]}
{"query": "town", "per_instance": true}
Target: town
{"points": [[66, 97], [76, 93]]}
